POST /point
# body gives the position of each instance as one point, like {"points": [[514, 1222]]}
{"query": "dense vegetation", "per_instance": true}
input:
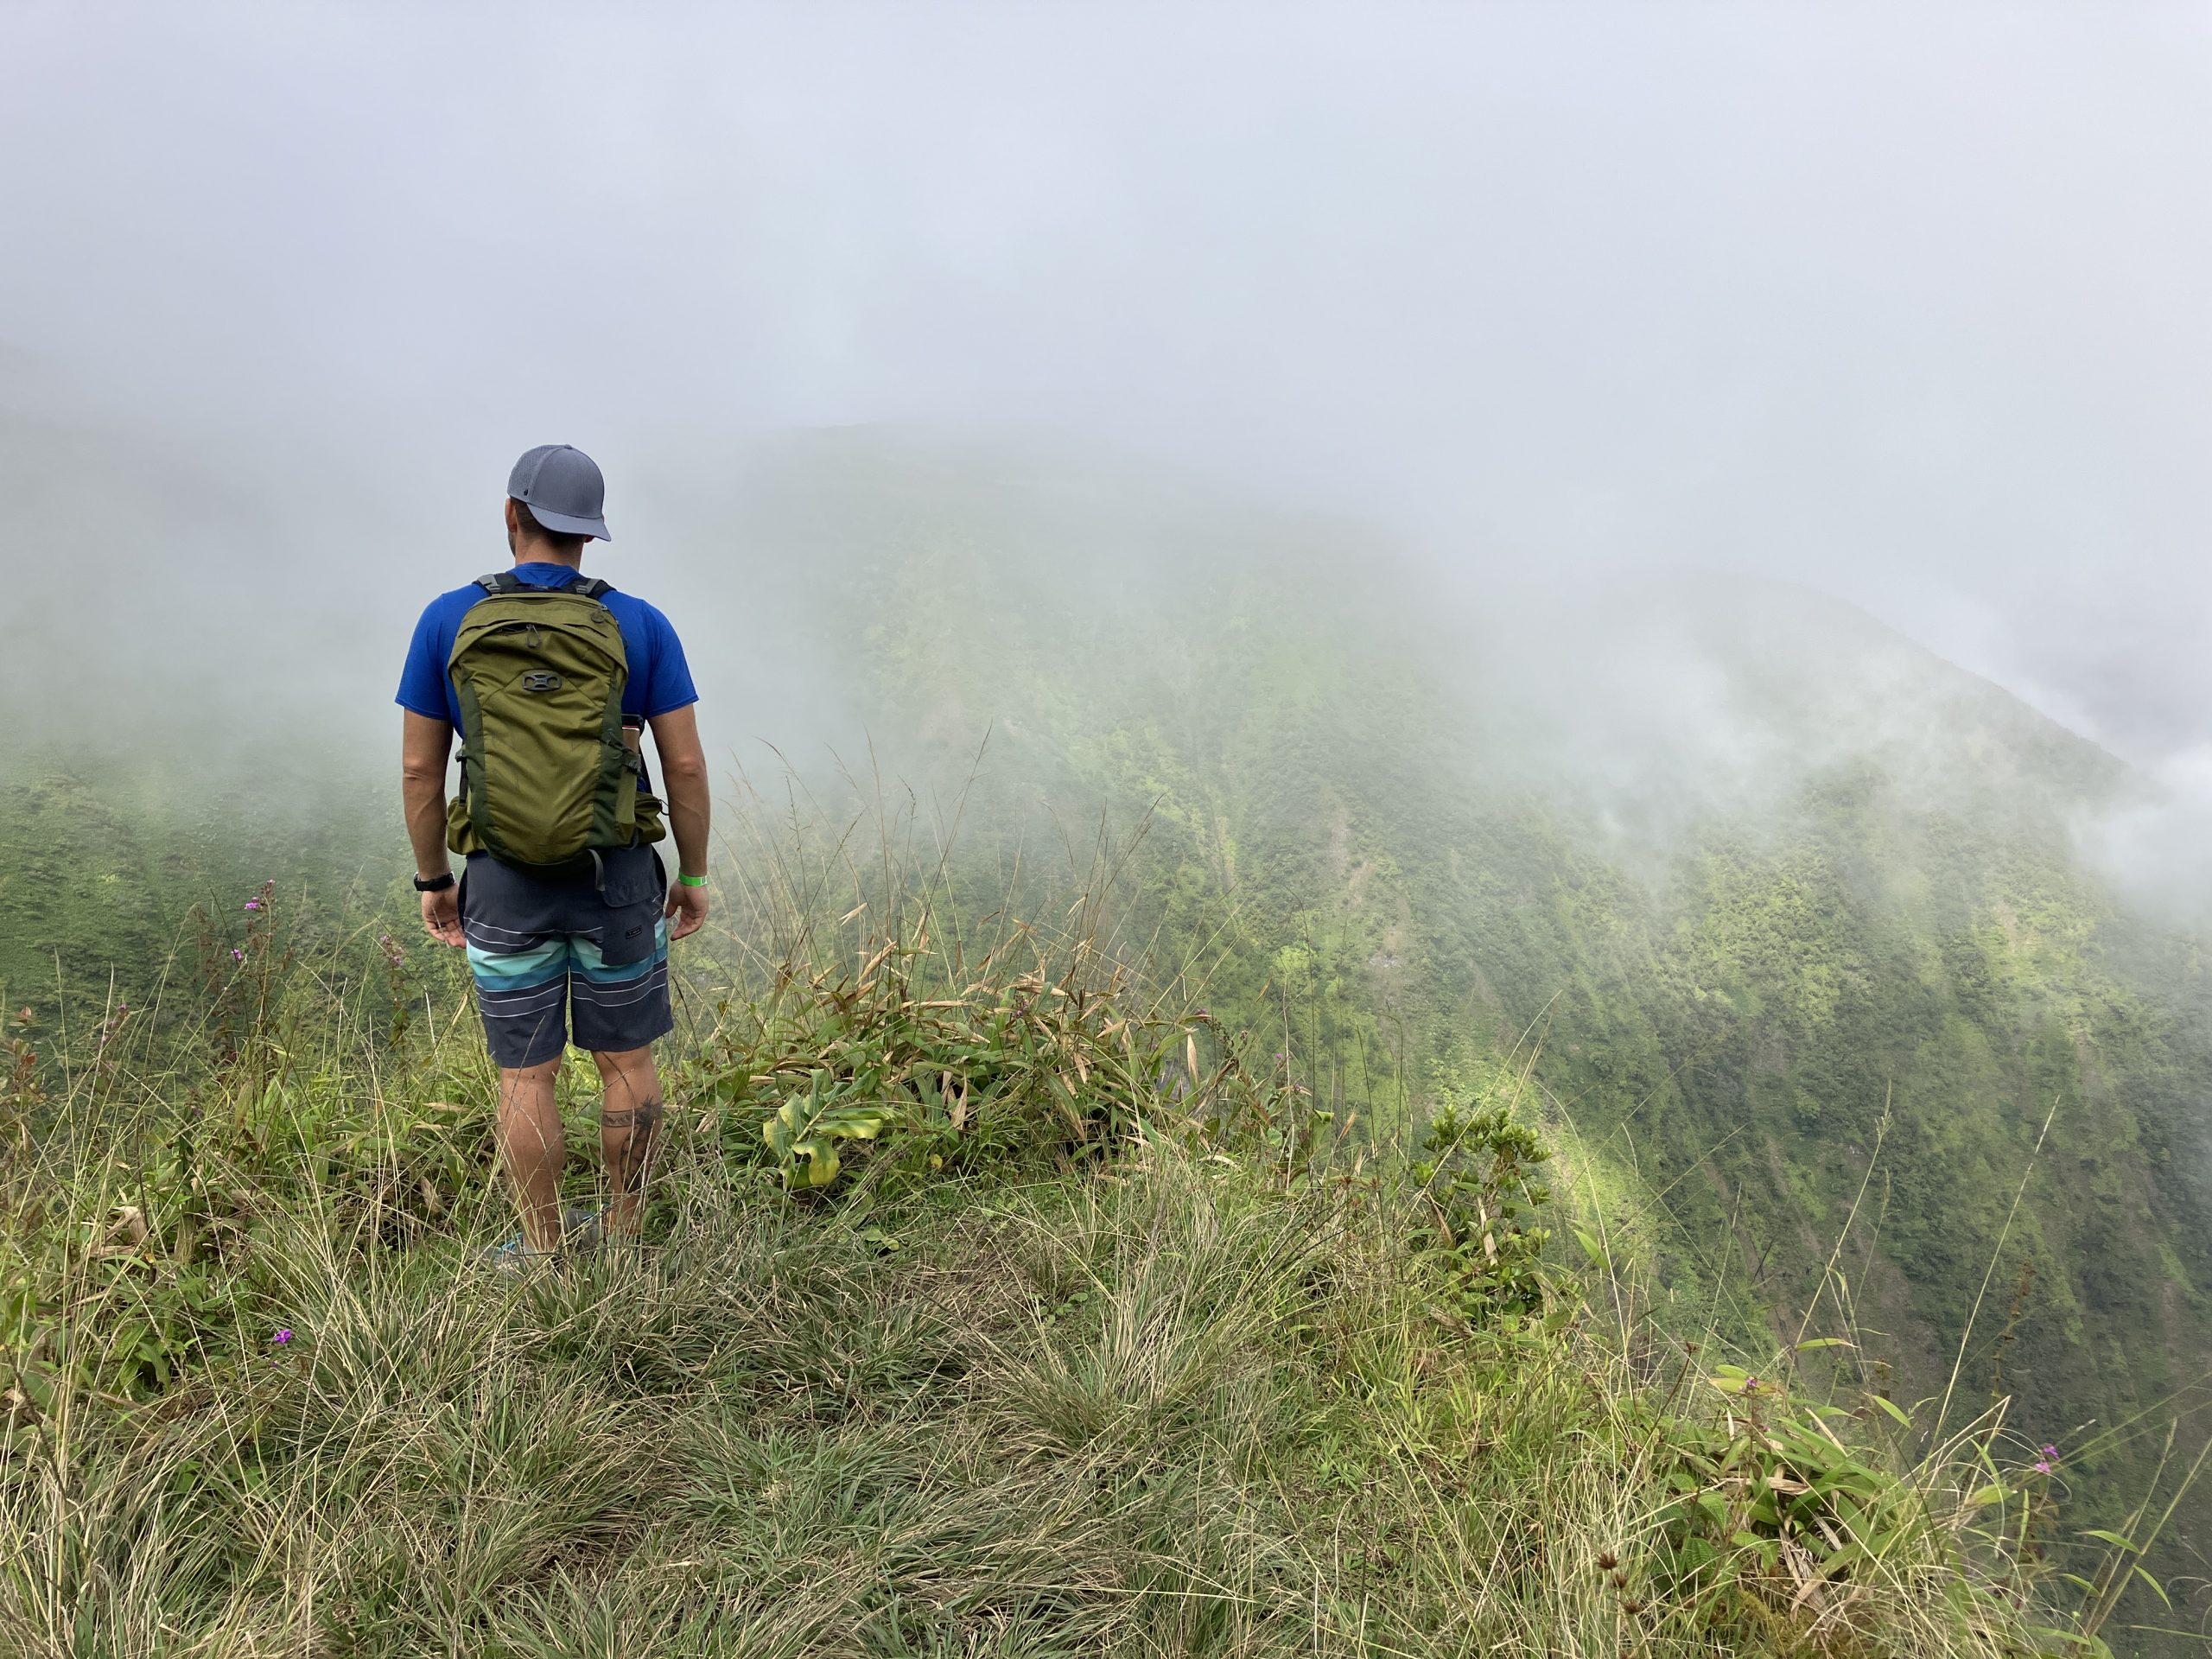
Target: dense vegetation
{"points": [[1851, 1017], [1876, 1124], [1095, 1343]]}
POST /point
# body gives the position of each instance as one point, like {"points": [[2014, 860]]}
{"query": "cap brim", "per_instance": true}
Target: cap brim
{"points": [[563, 525]]}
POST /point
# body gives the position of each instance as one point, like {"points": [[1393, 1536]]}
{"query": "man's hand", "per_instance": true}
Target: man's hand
{"points": [[687, 908], [422, 746], [684, 775], [441, 915]]}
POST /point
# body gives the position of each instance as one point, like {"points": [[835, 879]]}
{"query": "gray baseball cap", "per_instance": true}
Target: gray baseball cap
{"points": [[563, 489]]}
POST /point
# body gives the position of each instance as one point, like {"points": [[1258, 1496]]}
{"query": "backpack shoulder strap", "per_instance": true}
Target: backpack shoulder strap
{"points": [[505, 581]]}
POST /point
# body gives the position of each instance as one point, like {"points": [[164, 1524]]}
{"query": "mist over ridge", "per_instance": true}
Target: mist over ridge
{"points": [[1902, 306], [1649, 702], [1661, 698], [1637, 570]]}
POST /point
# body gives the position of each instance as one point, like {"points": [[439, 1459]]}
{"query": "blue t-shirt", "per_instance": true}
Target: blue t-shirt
{"points": [[660, 680]]}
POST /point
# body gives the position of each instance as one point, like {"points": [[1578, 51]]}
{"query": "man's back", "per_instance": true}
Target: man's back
{"points": [[660, 677]]}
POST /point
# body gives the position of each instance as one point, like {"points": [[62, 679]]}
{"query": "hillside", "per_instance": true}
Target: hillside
{"points": [[1095, 1343], [1770, 921], [1788, 906]]}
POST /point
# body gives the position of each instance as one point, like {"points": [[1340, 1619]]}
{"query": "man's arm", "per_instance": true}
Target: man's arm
{"points": [[423, 745], [683, 776]]}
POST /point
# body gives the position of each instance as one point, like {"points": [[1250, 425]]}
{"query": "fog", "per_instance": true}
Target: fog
{"points": [[1907, 307]]}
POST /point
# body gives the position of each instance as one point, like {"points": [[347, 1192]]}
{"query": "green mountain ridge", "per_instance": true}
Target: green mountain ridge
{"points": [[1782, 916], [1873, 933]]}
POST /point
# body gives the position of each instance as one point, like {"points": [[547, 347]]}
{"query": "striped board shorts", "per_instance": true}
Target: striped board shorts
{"points": [[550, 958]]}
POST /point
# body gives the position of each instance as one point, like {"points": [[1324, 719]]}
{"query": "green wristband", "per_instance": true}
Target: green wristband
{"points": [[692, 881]]}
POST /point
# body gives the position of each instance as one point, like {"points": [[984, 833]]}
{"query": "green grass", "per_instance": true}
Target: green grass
{"points": [[1166, 1408], [1142, 1356]]}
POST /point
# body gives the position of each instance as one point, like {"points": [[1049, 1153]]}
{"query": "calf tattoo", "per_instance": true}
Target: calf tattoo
{"points": [[636, 1124], [643, 1117]]}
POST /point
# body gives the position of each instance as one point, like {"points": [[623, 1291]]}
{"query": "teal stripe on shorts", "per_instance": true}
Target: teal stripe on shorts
{"points": [[518, 970], [593, 966]]}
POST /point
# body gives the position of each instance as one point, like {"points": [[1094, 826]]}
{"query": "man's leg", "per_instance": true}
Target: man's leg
{"points": [[530, 1147], [521, 967], [629, 1126], [621, 1007]]}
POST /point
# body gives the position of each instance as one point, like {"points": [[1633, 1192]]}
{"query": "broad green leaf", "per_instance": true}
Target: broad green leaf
{"points": [[1892, 1407]]}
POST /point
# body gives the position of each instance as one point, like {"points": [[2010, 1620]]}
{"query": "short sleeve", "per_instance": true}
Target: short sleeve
{"points": [[423, 689], [669, 686]]}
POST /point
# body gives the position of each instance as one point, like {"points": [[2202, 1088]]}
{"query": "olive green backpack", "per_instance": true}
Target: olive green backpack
{"points": [[546, 778]]}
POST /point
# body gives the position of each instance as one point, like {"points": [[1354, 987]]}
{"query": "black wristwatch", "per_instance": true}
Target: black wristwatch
{"points": [[435, 884]]}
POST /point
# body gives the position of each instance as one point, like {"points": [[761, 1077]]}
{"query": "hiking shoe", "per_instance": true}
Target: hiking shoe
{"points": [[581, 1233], [513, 1257], [580, 1229]]}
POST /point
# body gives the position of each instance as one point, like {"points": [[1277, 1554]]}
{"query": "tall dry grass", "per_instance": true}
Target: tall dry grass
{"points": [[1170, 1378]]}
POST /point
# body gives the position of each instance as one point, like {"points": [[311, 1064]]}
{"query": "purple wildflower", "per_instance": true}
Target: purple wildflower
{"points": [[253, 904], [2043, 1466], [281, 1337], [237, 954]]}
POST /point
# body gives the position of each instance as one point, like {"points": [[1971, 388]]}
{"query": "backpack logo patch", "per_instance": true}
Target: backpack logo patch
{"points": [[539, 680]]}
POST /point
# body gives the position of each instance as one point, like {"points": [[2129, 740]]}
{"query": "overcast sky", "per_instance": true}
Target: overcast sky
{"points": [[1911, 302]]}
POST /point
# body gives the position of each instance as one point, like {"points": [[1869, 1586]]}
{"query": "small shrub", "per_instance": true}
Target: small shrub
{"points": [[1477, 1173], [928, 1078]]}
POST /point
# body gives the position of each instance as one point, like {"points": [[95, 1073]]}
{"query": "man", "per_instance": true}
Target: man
{"points": [[582, 940]]}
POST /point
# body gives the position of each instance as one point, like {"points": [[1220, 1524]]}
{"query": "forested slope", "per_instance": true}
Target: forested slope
{"points": [[1782, 916], [1822, 941]]}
